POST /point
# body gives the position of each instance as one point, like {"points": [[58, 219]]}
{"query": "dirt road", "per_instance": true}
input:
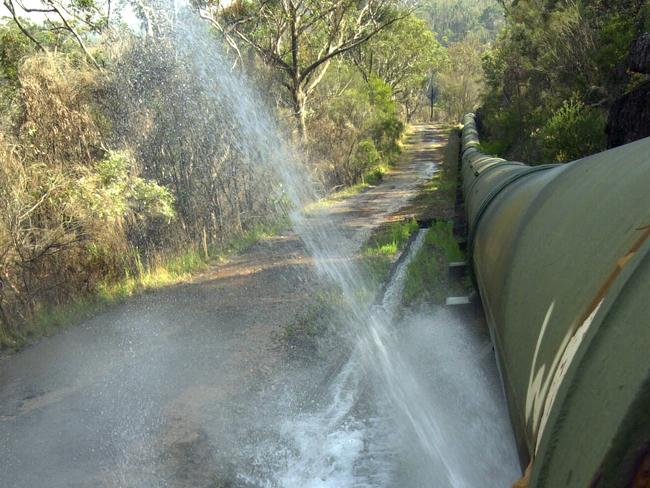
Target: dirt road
{"points": [[165, 389]]}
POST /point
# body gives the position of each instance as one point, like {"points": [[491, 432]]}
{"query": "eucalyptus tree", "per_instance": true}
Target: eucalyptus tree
{"points": [[460, 80], [300, 38], [454, 20], [405, 56], [72, 19]]}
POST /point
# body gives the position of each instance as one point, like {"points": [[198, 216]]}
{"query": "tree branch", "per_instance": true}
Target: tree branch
{"points": [[12, 11], [351, 44], [75, 35]]}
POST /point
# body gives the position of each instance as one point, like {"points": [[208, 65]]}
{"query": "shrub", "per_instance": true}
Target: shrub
{"points": [[359, 132], [66, 204], [573, 131]]}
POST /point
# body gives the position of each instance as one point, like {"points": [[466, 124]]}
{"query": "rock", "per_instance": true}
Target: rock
{"points": [[629, 117], [640, 54]]}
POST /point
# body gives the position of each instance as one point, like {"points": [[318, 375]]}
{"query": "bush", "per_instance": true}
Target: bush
{"points": [[374, 176], [573, 131], [66, 204], [367, 163], [386, 130], [359, 132]]}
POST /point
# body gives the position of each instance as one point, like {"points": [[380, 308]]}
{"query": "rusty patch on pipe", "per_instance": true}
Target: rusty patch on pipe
{"points": [[620, 264]]}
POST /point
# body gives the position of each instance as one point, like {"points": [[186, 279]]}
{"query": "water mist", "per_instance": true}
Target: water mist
{"points": [[380, 416]]}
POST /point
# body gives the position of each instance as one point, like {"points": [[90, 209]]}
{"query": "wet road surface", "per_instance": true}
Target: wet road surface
{"points": [[165, 388]]}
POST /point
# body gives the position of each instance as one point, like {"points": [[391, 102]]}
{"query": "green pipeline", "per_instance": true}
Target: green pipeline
{"points": [[561, 259]]}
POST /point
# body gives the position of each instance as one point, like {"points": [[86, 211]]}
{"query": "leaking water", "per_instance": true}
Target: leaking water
{"points": [[335, 446], [414, 403], [392, 298], [376, 397]]}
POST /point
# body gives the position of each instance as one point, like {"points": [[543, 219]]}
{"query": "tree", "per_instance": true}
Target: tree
{"points": [[71, 19], [461, 79], [299, 38], [66, 204], [404, 55], [557, 67], [454, 20]]}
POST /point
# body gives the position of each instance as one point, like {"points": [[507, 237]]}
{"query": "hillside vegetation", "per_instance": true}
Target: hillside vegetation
{"points": [[122, 164], [121, 167], [553, 73]]}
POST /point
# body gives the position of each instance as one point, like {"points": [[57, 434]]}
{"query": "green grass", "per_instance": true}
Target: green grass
{"points": [[245, 241], [380, 251], [160, 273], [163, 272], [392, 237], [426, 278], [6, 340]]}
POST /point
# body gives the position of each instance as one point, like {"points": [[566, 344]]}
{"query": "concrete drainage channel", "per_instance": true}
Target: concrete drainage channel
{"points": [[457, 271]]}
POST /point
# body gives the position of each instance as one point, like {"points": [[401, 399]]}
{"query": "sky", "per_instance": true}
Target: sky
{"points": [[124, 7]]}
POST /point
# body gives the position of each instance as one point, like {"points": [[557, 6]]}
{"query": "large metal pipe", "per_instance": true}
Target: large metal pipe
{"points": [[560, 254]]}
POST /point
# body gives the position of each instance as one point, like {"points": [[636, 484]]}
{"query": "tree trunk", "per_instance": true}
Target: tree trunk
{"points": [[298, 99]]}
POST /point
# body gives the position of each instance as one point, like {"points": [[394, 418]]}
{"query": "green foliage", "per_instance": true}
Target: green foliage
{"points": [[380, 96], [459, 81], [124, 193], [552, 74], [466, 28], [82, 224], [360, 129], [375, 175], [386, 133], [14, 46], [573, 131], [109, 176], [301, 42], [644, 16], [366, 155], [493, 148], [615, 37], [386, 129], [404, 56], [183, 142], [369, 160]]}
